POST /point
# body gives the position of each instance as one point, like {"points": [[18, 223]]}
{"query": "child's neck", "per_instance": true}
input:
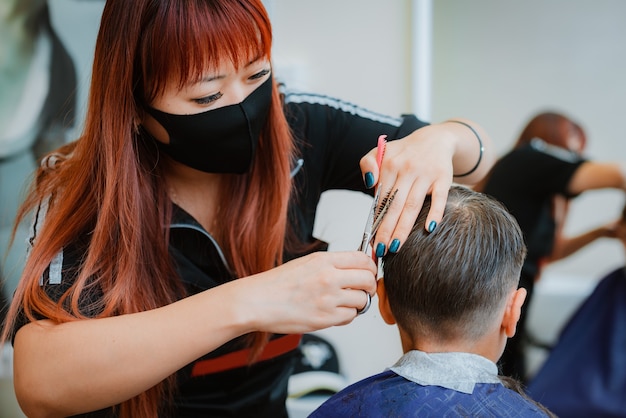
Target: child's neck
{"points": [[489, 346]]}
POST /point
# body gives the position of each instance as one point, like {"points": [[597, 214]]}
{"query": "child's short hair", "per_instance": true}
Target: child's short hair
{"points": [[450, 283]]}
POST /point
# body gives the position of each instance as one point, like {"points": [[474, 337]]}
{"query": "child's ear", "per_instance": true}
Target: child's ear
{"points": [[513, 311], [383, 303]]}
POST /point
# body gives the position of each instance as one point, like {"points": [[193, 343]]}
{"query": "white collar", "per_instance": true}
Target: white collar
{"points": [[457, 371]]}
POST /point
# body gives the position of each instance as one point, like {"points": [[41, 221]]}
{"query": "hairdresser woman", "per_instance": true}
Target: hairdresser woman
{"points": [[193, 171]]}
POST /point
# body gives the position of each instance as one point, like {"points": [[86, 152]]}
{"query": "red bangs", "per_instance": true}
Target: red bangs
{"points": [[186, 38]]}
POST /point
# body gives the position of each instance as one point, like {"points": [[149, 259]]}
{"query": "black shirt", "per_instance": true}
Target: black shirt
{"points": [[525, 180]]}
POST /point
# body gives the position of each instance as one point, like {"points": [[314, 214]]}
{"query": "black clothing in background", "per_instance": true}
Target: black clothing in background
{"points": [[526, 180]]}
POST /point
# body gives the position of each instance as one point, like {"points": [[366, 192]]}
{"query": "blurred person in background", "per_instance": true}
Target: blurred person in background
{"points": [[536, 181]]}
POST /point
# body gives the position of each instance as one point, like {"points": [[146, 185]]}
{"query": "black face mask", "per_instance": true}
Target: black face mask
{"points": [[222, 140]]}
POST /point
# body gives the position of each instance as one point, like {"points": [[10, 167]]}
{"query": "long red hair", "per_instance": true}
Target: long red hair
{"points": [[109, 185]]}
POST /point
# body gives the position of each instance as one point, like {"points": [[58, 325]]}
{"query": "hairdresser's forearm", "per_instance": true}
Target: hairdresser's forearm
{"points": [[66, 369]]}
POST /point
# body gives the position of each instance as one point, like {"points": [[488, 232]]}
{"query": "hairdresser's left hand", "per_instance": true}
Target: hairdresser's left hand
{"points": [[420, 164]]}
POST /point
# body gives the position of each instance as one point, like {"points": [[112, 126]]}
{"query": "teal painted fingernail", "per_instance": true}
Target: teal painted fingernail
{"points": [[369, 180], [395, 244], [380, 250], [431, 226]]}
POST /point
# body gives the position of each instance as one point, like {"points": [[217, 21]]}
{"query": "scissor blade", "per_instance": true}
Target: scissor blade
{"points": [[367, 233]]}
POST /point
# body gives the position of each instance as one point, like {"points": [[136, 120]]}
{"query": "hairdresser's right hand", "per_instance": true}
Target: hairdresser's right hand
{"points": [[309, 293]]}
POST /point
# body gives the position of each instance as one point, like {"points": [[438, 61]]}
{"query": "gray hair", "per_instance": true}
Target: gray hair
{"points": [[449, 284]]}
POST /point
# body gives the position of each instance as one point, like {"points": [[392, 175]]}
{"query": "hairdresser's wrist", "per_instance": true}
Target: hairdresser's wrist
{"points": [[242, 312], [473, 153]]}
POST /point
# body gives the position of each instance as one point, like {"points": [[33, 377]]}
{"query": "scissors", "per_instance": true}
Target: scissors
{"points": [[379, 208]]}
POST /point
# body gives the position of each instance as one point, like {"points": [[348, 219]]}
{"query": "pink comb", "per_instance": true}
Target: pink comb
{"points": [[380, 153]]}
